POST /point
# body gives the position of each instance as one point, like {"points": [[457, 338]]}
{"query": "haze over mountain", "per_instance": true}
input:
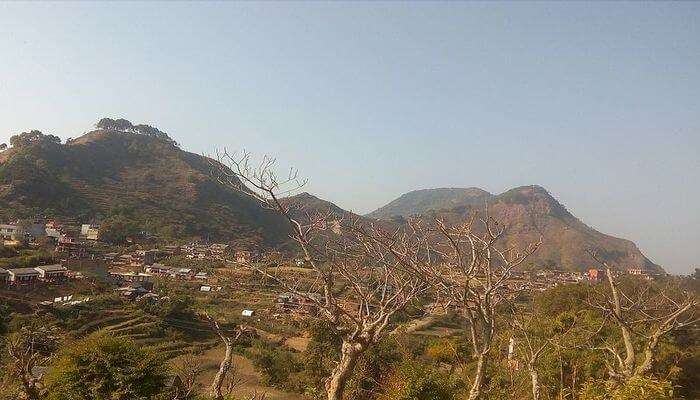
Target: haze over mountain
{"points": [[526, 211]]}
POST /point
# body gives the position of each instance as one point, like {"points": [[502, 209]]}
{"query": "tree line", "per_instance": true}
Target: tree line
{"points": [[123, 125]]}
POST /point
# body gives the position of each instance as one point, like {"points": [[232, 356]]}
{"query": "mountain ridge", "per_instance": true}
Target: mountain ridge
{"points": [[567, 238], [423, 200], [142, 179]]}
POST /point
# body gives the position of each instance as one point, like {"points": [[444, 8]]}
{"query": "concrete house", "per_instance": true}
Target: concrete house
{"points": [[159, 269], [137, 279], [90, 231], [23, 276], [595, 275], [9, 231], [185, 273], [19, 232], [52, 273]]}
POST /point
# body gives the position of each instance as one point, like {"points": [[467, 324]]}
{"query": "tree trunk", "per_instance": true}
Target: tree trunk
{"points": [[630, 355], [335, 385], [649, 357], [475, 390], [535, 379], [224, 367], [30, 390]]}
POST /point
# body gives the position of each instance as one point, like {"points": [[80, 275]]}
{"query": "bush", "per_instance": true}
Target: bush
{"points": [[275, 364], [634, 389], [416, 381], [104, 367]]}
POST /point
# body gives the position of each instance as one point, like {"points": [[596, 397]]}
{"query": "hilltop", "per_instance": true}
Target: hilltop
{"points": [[425, 200], [121, 174]]}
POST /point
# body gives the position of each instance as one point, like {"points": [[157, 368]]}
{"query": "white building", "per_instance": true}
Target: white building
{"points": [[90, 231]]}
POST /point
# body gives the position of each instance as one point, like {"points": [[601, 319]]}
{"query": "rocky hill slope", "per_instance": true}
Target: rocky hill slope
{"points": [[527, 211]]}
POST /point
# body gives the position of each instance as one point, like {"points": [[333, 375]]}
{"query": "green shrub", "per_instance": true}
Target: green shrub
{"points": [[416, 381], [634, 389], [104, 367]]}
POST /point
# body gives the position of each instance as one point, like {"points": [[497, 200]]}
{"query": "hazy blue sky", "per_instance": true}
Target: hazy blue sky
{"points": [[597, 102]]}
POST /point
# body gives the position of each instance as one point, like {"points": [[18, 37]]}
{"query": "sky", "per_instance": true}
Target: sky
{"points": [[596, 102]]}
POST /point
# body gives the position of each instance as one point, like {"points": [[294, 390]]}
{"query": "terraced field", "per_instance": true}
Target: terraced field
{"points": [[170, 337]]}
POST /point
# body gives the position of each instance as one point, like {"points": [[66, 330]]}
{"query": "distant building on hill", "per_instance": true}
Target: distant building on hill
{"points": [[218, 249], [144, 257], [595, 275], [90, 231], [18, 231], [23, 276], [159, 269], [244, 256], [53, 230], [133, 278], [52, 273], [71, 246], [293, 303], [9, 231]]}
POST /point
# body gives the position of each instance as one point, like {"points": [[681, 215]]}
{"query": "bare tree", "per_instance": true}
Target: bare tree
{"points": [[644, 314], [534, 335], [473, 277], [468, 265], [357, 284], [188, 370], [27, 349], [530, 348], [225, 376]]}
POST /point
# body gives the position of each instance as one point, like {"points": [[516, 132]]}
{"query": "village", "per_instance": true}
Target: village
{"points": [[150, 292], [136, 269]]}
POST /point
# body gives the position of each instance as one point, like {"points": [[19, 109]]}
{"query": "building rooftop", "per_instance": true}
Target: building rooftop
{"points": [[23, 271], [52, 268]]}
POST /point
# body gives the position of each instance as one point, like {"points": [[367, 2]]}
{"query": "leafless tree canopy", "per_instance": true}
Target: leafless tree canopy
{"points": [[643, 314], [365, 274], [358, 282], [28, 349]]}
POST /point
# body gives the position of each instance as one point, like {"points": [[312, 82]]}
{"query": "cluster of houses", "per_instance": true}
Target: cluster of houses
{"points": [[177, 273], [196, 251], [204, 252], [70, 238], [17, 277], [545, 279], [137, 284], [19, 230], [597, 275], [292, 303]]}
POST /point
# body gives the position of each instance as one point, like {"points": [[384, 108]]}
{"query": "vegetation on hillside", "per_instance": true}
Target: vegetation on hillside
{"points": [[132, 177]]}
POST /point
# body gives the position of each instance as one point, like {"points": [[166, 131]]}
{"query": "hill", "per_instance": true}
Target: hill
{"points": [[526, 211], [422, 201], [128, 178], [135, 178]]}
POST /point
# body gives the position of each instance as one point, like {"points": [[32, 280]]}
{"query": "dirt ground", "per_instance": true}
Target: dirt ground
{"points": [[245, 371]]}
